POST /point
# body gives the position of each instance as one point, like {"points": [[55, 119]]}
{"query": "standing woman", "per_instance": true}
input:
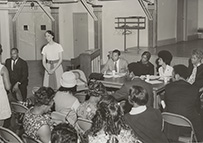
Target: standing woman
{"points": [[5, 110], [52, 59]]}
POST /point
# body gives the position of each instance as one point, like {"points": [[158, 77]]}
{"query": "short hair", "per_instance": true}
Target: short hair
{"points": [[166, 56], [96, 88], [198, 53], [43, 96], [147, 53], [117, 51], [51, 33], [138, 95], [1, 50], [15, 49], [64, 133], [182, 70]]}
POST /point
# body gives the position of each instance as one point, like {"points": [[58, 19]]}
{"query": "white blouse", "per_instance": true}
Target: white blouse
{"points": [[167, 73], [52, 51]]}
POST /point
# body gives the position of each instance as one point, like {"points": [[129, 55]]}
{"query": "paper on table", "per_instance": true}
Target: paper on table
{"points": [[154, 81], [110, 75]]}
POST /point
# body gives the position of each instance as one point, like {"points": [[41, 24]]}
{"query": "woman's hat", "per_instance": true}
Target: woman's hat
{"points": [[68, 79]]}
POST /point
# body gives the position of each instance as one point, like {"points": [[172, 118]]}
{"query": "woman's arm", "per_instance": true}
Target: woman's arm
{"points": [[6, 80], [59, 62], [44, 63], [44, 134]]}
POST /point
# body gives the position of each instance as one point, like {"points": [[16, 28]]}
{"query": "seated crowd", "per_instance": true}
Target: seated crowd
{"points": [[125, 115]]}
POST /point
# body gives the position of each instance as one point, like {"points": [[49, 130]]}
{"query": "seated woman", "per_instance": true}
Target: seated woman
{"points": [[36, 123], [108, 124], [145, 121], [164, 61], [64, 98], [88, 109], [196, 68]]}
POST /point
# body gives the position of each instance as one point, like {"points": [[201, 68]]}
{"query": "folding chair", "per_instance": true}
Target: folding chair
{"points": [[84, 124], [27, 139], [18, 108], [179, 120], [9, 136]]}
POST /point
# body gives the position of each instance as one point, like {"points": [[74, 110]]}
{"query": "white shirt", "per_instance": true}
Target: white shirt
{"points": [[52, 51], [117, 65], [138, 110], [167, 73], [12, 63]]}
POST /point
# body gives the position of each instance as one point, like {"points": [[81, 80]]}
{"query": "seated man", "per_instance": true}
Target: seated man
{"points": [[145, 66], [64, 133], [115, 63], [181, 98], [145, 121], [123, 92], [196, 69]]}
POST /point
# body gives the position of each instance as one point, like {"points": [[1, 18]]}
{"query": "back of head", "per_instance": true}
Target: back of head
{"points": [[166, 56], [109, 117], [43, 96], [96, 88], [64, 133], [181, 70], [138, 95]]}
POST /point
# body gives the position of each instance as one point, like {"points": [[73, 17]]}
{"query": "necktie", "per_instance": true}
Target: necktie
{"points": [[115, 66], [13, 64], [191, 80]]}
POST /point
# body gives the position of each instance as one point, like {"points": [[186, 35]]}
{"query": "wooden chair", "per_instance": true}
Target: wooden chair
{"points": [[9, 136], [178, 120], [27, 139]]}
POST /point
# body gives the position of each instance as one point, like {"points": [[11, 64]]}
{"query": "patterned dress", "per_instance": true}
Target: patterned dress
{"points": [[87, 110], [125, 136], [32, 123]]}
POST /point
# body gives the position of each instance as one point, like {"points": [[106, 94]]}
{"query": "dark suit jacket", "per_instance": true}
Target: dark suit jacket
{"points": [[181, 98], [19, 73], [141, 69], [123, 92], [199, 75]]}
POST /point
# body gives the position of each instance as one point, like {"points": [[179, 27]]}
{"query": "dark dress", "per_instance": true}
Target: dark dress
{"points": [[147, 125], [181, 98]]}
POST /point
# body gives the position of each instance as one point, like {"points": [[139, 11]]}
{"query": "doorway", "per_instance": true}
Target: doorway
{"points": [[80, 33], [181, 20], [30, 28]]}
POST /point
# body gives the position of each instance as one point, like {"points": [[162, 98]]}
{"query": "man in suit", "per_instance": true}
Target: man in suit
{"points": [[18, 73], [115, 63], [196, 68], [181, 98], [123, 92]]}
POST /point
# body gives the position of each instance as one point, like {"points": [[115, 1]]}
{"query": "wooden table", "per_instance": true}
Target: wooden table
{"points": [[118, 82]]}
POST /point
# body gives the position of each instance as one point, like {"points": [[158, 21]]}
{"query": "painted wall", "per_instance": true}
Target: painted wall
{"points": [[167, 14], [200, 11], [112, 38], [192, 17], [66, 28]]}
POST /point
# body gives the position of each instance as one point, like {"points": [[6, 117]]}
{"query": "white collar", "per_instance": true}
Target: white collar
{"points": [[138, 110]]}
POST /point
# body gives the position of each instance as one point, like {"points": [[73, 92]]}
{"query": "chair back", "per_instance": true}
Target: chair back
{"points": [[58, 117], [18, 108], [176, 119], [9, 136], [84, 124], [27, 139], [179, 120], [81, 80]]}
